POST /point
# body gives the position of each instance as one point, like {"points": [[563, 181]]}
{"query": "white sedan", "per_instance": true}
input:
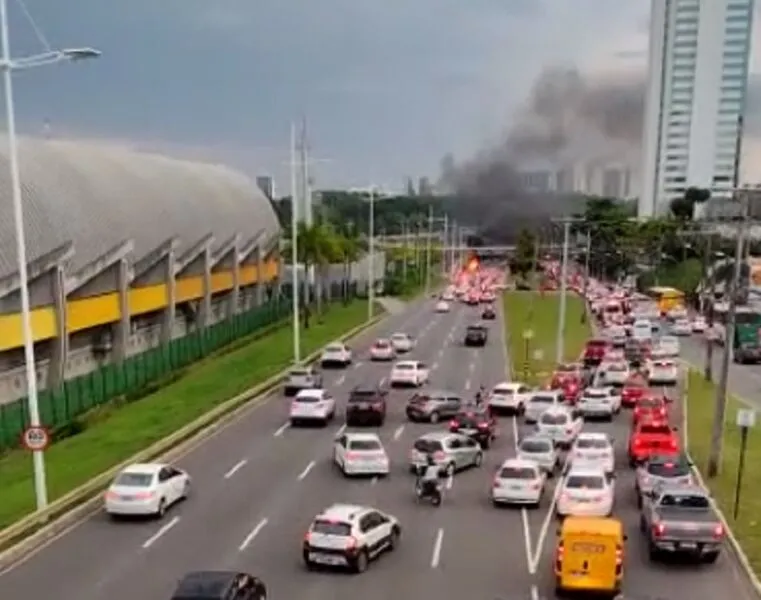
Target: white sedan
{"points": [[409, 372], [442, 306], [360, 454], [681, 327], [518, 481], [585, 492], [336, 354], [699, 325], [312, 406], [593, 448], [146, 489], [402, 342], [382, 349], [662, 372], [670, 346], [509, 397]]}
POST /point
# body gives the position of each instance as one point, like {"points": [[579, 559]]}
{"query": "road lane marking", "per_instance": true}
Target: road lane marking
{"points": [[436, 556], [527, 541], [471, 367], [254, 532], [235, 468], [357, 365], [341, 380], [534, 592], [440, 354], [450, 482], [164, 529], [305, 472], [434, 366], [398, 432], [467, 384], [281, 430], [374, 480], [341, 429], [545, 528], [515, 433], [383, 380]]}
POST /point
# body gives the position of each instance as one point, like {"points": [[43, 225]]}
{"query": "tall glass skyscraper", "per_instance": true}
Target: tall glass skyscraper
{"points": [[698, 74]]}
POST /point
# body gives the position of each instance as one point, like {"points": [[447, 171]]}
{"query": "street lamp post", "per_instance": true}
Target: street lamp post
{"points": [[371, 257], [295, 283], [8, 65]]}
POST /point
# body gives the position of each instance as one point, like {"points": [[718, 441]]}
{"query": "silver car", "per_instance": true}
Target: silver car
{"points": [[302, 378], [433, 405], [540, 402], [672, 470], [540, 450], [451, 451]]}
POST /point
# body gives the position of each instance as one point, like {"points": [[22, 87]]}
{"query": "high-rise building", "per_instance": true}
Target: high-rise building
{"points": [[267, 186], [612, 183], [698, 74]]}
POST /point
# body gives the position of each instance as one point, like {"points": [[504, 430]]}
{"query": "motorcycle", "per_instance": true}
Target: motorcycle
{"points": [[428, 490]]}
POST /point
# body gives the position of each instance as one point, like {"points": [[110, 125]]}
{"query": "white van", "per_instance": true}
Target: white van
{"points": [[642, 330]]}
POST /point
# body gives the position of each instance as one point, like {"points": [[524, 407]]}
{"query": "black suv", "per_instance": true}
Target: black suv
{"points": [[366, 406], [220, 585], [475, 335], [477, 424], [489, 314]]}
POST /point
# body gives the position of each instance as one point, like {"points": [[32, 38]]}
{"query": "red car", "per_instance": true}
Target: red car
{"points": [[571, 388], [651, 408], [651, 437], [632, 392], [594, 352], [563, 373]]}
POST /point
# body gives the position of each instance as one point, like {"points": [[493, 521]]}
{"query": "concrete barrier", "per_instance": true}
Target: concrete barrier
{"points": [[69, 510]]}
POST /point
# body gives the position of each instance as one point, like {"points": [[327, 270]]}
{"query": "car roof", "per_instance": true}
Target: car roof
{"points": [[144, 468], [439, 435], [547, 393], [603, 525], [597, 390], [557, 410], [518, 463], [362, 435], [400, 334], [585, 470], [509, 385], [669, 487], [204, 584], [310, 393], [593, 435], [412, 363], [342, 512], [536, 438]]}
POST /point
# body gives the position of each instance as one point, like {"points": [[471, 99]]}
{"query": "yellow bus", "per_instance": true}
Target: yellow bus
{"points": [[667, 298]]}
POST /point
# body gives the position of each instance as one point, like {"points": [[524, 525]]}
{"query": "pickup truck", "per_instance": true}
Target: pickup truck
{"points": [[680, 520]]}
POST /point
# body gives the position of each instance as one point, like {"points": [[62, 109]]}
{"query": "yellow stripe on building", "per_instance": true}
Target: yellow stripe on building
{"points": [[44, 327]]}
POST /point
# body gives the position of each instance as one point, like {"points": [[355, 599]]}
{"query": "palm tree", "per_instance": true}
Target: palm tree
{"points": [[350, 250], [317, 248]]}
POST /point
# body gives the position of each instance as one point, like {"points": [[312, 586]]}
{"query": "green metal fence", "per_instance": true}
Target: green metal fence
{"points": [[81, 394]]}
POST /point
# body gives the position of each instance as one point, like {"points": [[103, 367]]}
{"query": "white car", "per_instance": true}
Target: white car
{"points": [[662, 372], [346, 535], [681, 327], [509, 397], [382, 349], [560, 424], [669, 345], [336, 354], [585, 492], [612, 373], [699, 325], [448, 295], [402, 342], [146, 489], [312, 406], [360, 454], [599, 402], [593, 448], [518, 481], [540, 450], [642, 329], [442, 306], [678, 312], [409, 372], [540, 401], [616, 334]]}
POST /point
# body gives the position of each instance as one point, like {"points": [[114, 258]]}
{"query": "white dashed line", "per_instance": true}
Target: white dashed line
{"points": [[374, 480], [305, 472], [254, 532], [383, 381], [534, 592], [398, 432], [281, 430], [341, 380], [467, 384], [235, 468], [341, 429], [156, 536], [357, 365], [436, 556], [450, 482], [471, 367], [434, 366]]}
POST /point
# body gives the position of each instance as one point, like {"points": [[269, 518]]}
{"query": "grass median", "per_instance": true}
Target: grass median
{"points": [[700, 399], [534, 360], [126, 430]]}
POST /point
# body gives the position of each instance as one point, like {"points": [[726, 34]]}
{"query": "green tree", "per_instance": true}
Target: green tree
{"points": [[683, 207], [525, 251]]}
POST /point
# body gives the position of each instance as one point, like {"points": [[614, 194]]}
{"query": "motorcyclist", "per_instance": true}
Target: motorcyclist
{"points": [[428, 479], [480, 396]]}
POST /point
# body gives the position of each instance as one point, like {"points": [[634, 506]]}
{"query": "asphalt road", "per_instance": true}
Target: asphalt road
{"points": [[258, 484]]}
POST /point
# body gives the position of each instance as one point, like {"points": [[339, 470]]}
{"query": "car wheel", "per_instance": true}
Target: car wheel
{"points": [[449, 470], [478, 460], [360, 563], [162, 508], [393, 540], [434, 418], [185, 491]]}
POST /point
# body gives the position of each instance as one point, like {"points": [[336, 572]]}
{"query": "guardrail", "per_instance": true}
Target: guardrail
{"points": [[69, 510]]}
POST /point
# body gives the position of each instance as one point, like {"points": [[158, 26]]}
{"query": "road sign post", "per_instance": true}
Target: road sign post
{"points": [[746, 419], [36, 439], [528, 335]]}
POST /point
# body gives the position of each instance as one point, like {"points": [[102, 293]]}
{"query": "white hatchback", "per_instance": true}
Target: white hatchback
{"points": [[602, 402], [360, 454], [509, 397], [699, 325], [442, 306], [402, 342], [662, 372], [409, 372], [518, 481], [669, 346], [336, 354], [541, 451], [681, 327], [613, 373], [593, 448], [560, 424], [538, 402], [382, 349], [146, 490], [585, 492], [312, 406]]}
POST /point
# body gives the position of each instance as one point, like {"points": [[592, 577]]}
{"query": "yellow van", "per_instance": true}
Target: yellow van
{"points": [[589, 556]]}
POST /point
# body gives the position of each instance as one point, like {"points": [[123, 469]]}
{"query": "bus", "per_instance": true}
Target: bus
{"points": [[667, 298], [747, 340]]}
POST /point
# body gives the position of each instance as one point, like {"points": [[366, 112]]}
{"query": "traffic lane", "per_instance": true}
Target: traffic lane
{"points": [[644, 578], [99, 534]]}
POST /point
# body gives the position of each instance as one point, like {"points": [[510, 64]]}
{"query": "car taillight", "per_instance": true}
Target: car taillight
{"points": [[439, 455], [597, 498], [658, 529], [144, 495], [718, 531], [637, 442], [351, 456], [378, 406], [568, 430], [673, 445], [483, 426], [453, 424], [109, 495], [351, 544], [307, 537], [537, 485], [497, 482], [559, 553]]}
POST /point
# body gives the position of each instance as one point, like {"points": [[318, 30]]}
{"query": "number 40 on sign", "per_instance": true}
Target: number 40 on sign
{"points": [[35, 439]]}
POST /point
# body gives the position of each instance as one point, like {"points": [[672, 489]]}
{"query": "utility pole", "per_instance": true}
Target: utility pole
{"points": [[371, 258], [709, 296], [295, 250], [720, 405], [416, 240], [428, 251], [588, 249], [405, 249], [444, 246], [560, 341]]}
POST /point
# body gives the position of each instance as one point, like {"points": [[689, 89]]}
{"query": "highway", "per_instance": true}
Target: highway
{"points": [[258, 483]]}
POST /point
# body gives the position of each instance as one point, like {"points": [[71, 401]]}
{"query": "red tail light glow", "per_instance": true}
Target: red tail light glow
{"points": [[453, 424], [439, 455], [659, 529], [378, 406], [351, 543], [718, 531], [351, 456]]}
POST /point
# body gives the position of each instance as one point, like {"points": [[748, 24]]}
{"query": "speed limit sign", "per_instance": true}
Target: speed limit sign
{"points": [[35, 438]]}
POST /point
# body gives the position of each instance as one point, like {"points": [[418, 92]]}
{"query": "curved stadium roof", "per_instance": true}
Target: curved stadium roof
{"points": [[97, 196]]}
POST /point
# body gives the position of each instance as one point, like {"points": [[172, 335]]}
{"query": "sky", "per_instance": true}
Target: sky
{"points": [[387, 87]]}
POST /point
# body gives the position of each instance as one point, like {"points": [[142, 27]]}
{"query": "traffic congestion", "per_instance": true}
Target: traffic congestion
{"points": [[407, 461]]}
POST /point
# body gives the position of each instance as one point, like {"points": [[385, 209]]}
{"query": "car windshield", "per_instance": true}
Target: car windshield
{"points": [[655, 430], [399, 337], [595, 395], [503, 391], [554, 419], [405, 367], [362, 395], [476, 329], [335, 348], [517, 473], [382, 344], [649, 403], [134, 479], [307, 399], [668, 469], [596, 344], [543, 399], [331, 527], [585, 482], [617, 368], [536, 446], [592, 443], [470, 418], [299, 373], [427, 446], [685, 501], [364, 445]]}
